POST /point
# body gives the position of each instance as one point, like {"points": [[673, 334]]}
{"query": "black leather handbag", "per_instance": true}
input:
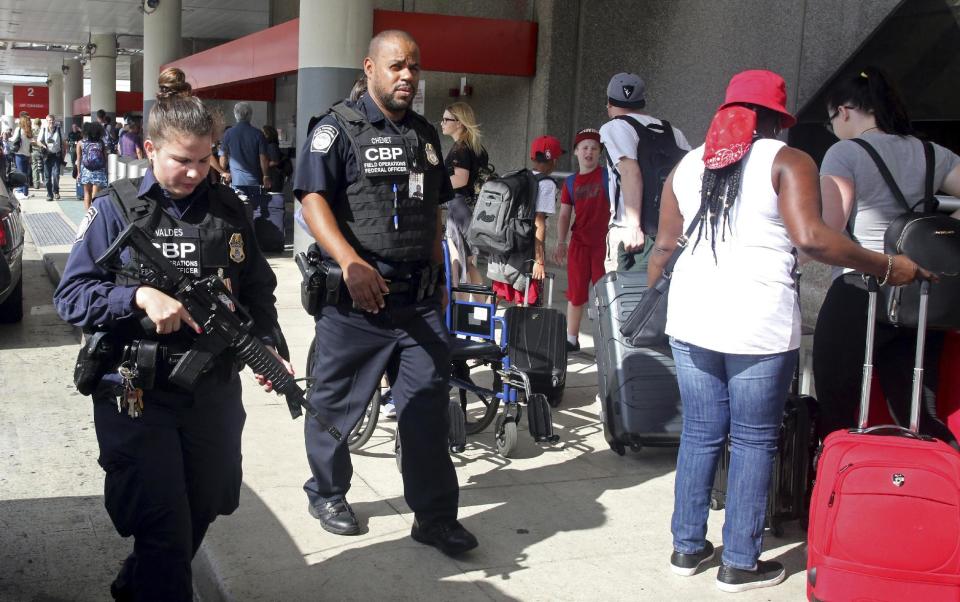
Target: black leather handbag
{"points": [[647, 323], [932, 240]]}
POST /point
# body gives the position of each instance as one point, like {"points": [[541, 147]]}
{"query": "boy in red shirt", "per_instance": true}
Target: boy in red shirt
{"points": [[585, 194]]}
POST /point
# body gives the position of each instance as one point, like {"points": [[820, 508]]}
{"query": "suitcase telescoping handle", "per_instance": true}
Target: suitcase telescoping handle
{"points": [[549, 276], [917, 390]]}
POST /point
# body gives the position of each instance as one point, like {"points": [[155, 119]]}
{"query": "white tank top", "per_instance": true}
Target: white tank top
{"points": [[743, 302]]}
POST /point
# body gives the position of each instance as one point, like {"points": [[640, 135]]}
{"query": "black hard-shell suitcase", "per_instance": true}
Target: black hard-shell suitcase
{"points": [[639, 396], [536, 344], [792, 481], [268, 216]]}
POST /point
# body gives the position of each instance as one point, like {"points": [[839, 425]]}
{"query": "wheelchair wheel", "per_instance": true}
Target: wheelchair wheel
{"points": [[362, 432], [368, 423], [479, 409], [506, 436]]}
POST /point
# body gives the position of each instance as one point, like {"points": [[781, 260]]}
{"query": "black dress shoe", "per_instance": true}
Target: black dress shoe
{"points": [[336, 517], [448, 536], [122, 587]]}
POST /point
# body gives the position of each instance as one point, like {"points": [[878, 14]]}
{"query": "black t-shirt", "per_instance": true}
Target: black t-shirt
{"points": [[462, 156]]}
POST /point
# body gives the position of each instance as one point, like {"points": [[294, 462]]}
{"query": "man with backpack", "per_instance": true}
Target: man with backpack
{"points": [[51, 144], [110, 136], [640, 155]]}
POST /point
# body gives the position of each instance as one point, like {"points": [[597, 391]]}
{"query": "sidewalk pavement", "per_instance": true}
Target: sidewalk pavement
{"points": [[572, 521]]}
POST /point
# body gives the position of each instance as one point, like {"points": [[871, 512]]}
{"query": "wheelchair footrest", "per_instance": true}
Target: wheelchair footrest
{"points": [[540, 419], [457, 435]]}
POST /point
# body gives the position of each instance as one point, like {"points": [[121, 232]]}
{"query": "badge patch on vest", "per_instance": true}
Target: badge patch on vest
{"points": [[431, 154], [236, 248], [180, 245], [323, 137], [385, 156], [85, 224]]}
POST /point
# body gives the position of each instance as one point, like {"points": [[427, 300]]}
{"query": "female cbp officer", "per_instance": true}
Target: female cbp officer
{"points": [[173, 463]]}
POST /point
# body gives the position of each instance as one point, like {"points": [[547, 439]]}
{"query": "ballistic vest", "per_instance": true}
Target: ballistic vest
{"points": [[218, 244], [378, 214]]}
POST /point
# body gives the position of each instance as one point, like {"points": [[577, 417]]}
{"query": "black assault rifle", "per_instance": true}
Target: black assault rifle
{"points": [[208, 301]]}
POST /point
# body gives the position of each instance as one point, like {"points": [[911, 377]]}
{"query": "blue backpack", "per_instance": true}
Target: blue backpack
{"points": [[93, 156]]}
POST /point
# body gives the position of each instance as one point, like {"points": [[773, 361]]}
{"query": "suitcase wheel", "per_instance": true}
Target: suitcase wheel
{"points": [[618, 448], [506, 435]]}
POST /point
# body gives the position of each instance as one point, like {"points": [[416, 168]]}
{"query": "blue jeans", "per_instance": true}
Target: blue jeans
{"points": [[51, 171], [739, 395], [23, 166]]}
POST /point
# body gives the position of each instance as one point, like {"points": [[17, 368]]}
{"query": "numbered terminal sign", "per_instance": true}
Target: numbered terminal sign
{"points": [[35, 100]]}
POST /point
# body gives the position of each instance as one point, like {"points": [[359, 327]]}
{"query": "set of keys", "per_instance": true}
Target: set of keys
{"points": [[131, 395]]}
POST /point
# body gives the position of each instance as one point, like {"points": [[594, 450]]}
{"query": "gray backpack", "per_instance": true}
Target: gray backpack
{"points": [[503, 218]]}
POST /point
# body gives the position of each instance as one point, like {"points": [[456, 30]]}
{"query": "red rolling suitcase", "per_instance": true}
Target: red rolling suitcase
{"points": [[885, 512]]}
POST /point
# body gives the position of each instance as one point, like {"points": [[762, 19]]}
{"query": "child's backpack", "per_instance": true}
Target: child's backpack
{"points": [[94, 157], [657, 154], [503, 218]]}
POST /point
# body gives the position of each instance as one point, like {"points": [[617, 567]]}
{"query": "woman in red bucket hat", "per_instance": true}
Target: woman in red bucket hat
{"points": [[733, 316]]}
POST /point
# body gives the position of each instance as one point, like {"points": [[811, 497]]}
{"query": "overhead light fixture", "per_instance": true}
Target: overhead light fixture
{"points": [[149, 6]]}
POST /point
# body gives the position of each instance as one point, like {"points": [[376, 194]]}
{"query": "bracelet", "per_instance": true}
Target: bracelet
{"points": [[889, 269]]}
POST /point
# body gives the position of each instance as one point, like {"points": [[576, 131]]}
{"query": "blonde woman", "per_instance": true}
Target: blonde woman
{"points": [[22, 140], [463, 162]]}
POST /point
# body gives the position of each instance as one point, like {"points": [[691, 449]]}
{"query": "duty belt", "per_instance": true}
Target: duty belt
{"points": [[154, 361], [405, 290]]}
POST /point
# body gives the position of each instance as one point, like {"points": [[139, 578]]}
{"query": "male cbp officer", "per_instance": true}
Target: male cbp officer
{"points": [[355, 176]]}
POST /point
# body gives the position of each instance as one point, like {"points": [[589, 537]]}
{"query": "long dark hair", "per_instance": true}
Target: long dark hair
{"points": [[872, 91]]}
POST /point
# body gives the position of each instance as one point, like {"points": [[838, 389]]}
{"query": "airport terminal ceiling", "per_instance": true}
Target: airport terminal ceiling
{"points": [[919, 47], [32, 32]]}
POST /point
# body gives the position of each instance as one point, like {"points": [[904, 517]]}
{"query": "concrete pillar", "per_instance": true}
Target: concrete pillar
{"points": [[334, 36], [72, 90], [136, 73], [103, 75], [161, 44], [55, 94]]}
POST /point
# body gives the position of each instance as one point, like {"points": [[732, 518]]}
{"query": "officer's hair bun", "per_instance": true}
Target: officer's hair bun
{"points": [[173, 84]]}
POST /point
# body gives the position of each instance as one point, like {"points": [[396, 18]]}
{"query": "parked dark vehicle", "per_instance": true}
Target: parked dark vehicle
{"points": [[11, 246]]}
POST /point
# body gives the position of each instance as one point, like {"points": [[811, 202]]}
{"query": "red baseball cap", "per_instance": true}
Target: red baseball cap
{"points": [[762, 88], [545, 148]]}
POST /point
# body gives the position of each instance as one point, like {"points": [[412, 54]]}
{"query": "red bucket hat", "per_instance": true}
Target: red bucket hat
{"points": [[762, 88]]}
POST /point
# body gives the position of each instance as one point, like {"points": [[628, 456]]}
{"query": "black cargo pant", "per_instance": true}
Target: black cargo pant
{"points": [[353, 350], [170, 473]]}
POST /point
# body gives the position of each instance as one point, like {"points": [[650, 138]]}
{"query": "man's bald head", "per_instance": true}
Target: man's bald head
{"points": [[390, 35]]}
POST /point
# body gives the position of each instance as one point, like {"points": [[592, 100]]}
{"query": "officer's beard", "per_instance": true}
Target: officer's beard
{"points": [[389, 102]]}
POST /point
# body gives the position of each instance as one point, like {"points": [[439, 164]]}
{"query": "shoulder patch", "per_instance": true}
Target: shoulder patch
{"points": [[85, 223], [323, 137]]}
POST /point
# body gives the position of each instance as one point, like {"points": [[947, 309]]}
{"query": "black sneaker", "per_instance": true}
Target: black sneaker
{"points": [[768, 573], [686, 565], [571, 347]]}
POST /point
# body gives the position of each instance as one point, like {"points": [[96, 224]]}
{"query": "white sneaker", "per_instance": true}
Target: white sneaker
{"points": [[390, 410]]}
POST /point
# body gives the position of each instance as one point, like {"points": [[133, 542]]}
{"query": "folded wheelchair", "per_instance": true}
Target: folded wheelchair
{"points": [[485, 372]]}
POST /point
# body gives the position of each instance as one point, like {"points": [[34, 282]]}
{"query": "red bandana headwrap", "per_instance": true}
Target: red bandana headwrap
{"points": [[729, 137]]}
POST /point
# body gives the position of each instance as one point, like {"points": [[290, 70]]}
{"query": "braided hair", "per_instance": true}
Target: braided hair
{"points": [[721, 187]]}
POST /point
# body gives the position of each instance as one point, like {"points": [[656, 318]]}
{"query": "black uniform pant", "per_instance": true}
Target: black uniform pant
{"points": [[353, 350], [170, 473], [838, 349]]}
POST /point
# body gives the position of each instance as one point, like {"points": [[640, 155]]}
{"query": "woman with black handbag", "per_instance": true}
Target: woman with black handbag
{"points": [[747, 201], [856, 197]]}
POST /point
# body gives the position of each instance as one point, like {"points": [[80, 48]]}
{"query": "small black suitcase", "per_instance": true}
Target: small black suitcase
{"points": [[536, 344], [792, 479], [639, 396], [268, 216]]}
